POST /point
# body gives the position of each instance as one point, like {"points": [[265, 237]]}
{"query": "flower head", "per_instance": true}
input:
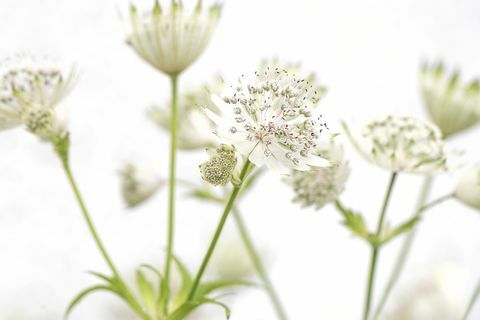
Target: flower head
{"points": [[401, 144], [137, 185], [321, 186], [453, 106], [468, 189], [221, 166], [195, 129], [171, 39], [270, 119], [30, 89]]}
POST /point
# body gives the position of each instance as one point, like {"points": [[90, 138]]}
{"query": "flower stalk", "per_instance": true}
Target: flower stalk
{"points": [[257, 262], [218, 231], [375, 249], [473, 299], [171, 184]]}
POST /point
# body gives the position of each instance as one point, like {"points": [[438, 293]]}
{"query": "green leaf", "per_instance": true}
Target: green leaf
{"points": [[187, 281], [205, 194], [147, 291], [356, 224], [188, 307], [85, 293], [211, 286], [388, 234]]}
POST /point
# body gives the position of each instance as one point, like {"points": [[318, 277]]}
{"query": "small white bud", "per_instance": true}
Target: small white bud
{"points": [[219, 169], [468, 188]]}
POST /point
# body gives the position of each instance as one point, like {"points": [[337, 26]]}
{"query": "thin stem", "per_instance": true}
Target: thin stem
{"points": [[87, 218], [116, 275], [473, 299], [375, 249], [407, 244], [171, 185], [257, 262], [218, 231]]}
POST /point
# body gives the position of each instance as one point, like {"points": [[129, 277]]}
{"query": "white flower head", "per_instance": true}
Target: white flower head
{"points": [[270, 118], [30, 90], [195, 129], [468, 188], [172, 38], [138, 184], [401, 144], [321, 186], [452, 105]]}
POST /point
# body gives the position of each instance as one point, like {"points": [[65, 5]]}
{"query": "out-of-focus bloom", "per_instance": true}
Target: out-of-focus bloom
{"points": [[468, 188], [138, 184], [439, 295], [30, 89], [195, 129], [321, 186], [218, 170], [270, 119], [453, 106], [231, 260], [171, 39], [401, 144]]}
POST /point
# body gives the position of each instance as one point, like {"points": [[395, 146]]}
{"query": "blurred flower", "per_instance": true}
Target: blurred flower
{"points": [[138, 184], [468, 188], [171, 39], [438, 295], [231, 260], [270, 119], [195, 129], [321, 186], [30, 89], [219, 168], [453, 106], [401, 144]]}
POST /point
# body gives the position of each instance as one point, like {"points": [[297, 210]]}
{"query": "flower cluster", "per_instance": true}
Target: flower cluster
{"points": [[270, 119], [30, 89], [401, 144], [219, 169], [195, 131], [321, 186], [453, 106], [171, 39]]}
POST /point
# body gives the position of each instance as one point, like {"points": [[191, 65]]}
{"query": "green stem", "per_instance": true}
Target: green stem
{"points": [[375, 249], [473, 299], [407, 244], [257, 262], [171, 186], [218, 231], [128, 294]]}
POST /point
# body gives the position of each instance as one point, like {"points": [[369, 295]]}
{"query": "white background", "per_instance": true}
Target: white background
{"points": [[366, 52]]}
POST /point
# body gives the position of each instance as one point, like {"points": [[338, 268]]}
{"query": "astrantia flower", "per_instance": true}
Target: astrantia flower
{"points": [[30, 89], [468, 189], [321, 186], [401, 144], [138, 185], [195, 129], [172, 38], [453, 106], [270, 119]]}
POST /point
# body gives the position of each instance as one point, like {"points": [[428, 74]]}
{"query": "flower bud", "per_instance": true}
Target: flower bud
{"points": [[218, 170], [468, 189]]}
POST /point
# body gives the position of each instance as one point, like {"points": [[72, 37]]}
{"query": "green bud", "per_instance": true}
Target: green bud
{"points": [[218, 170]]}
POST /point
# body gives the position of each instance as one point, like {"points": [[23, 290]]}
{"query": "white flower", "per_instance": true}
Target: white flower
{"points": [[171, 39], [468, 188], [138, 184], [30, 89], [321, 186], [453, 106], [401, 144], [270, 119], [195, 129]]}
